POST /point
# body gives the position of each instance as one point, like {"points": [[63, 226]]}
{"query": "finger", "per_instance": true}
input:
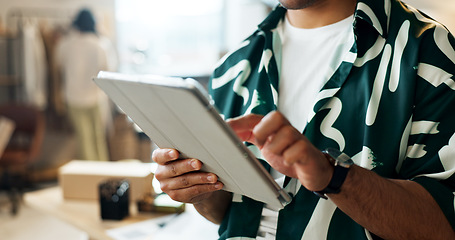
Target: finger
{"points": [[268, 126], [164, 155], [284, 138], [194, 193], [176, 168], [188, 180], [297, 152], [243, 126]]}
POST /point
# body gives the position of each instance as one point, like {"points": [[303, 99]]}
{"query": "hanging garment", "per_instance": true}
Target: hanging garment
{"points": [[34, 65]]}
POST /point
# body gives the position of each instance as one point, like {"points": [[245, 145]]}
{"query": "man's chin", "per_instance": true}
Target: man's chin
{"points": [[298, 4]]}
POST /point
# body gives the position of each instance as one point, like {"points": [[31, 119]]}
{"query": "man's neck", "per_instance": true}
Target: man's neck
{"points": [[321, 14]]}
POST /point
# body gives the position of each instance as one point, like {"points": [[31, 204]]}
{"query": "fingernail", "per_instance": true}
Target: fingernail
{"points": [[218, 185], [210, 178], [173, 154], [194, 164]]}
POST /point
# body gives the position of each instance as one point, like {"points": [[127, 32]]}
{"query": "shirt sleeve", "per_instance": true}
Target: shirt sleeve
{"points": [[430, 159]]}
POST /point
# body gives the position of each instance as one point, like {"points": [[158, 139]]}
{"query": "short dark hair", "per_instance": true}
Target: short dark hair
{"points": [[85, 21]]}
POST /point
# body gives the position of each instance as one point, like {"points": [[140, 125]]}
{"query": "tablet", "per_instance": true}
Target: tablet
{"points": [[178, 113]]}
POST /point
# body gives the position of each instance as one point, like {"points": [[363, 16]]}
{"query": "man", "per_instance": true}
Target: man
{"points": [[378, 86], [79, 56]]}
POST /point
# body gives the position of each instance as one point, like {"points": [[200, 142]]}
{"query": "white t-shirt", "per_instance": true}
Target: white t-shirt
{"points": [[80, 57], [309, 57]]}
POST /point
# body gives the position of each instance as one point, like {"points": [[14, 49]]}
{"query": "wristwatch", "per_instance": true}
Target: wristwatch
{"points": [[342, 164]]}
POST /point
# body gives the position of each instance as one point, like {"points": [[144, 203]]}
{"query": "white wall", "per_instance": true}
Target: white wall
{"points": [[441, 10], [242, 18]]}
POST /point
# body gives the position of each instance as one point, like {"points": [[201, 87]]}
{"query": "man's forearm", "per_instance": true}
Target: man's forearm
{"points": [[214, 208], [391, 209]]}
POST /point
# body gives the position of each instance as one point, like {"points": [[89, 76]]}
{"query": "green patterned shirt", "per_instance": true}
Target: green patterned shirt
{"points": [[390, 105]]}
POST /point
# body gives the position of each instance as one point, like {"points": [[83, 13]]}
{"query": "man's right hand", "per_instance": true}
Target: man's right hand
{"points": [[182, 179]]}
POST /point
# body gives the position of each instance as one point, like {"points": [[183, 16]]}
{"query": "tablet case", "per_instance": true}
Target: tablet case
{"points": [[177, 113]]}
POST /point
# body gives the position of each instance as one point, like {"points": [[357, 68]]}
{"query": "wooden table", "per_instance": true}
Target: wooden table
{"points": [[83, 214]]}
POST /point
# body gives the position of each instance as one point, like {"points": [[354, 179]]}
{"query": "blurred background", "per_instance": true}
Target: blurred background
{"points": [[178, 38]]}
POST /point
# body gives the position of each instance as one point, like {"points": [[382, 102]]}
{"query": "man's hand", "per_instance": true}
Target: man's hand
{"points": [[285, 148], [182, 179], [402, 209]]}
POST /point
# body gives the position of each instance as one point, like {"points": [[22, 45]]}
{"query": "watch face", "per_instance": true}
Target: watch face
{"points": [[341, 159], [344, 161]]}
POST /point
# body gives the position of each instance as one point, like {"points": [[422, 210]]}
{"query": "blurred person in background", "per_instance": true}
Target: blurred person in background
{"points": [[80, 55]]}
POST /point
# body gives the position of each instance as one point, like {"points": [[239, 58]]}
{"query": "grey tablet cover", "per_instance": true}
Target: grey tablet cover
{"points": [[177, 113]]}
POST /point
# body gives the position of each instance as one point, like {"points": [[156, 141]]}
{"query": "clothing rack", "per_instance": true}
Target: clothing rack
{"points": [[15, 20], [16, 16]]}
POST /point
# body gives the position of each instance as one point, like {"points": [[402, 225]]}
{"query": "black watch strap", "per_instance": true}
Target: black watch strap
{"points": [[338, 177], [342, 164]]}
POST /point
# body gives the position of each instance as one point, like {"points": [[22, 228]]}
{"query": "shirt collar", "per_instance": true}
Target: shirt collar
{"points": [[272, 20], [374, 12]]}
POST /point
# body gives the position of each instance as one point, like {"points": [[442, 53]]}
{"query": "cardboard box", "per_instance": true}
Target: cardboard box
{"points": [[79, 179]]}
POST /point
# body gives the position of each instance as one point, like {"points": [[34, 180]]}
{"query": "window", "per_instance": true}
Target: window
{"points": [[178, 37]]}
